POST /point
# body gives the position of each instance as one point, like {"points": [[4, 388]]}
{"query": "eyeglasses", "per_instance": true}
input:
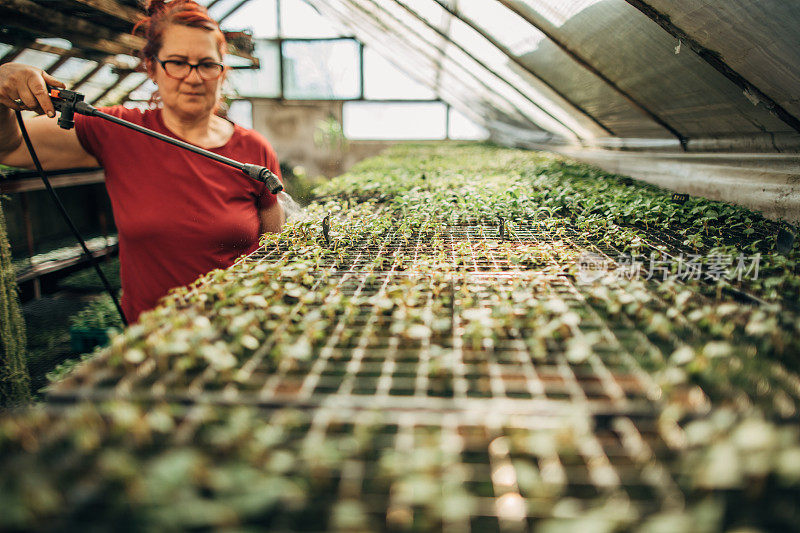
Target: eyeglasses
{"points": [[175, 68]]}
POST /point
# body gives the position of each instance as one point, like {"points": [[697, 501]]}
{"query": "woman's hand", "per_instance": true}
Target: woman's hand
{"points": [[24, 87]]}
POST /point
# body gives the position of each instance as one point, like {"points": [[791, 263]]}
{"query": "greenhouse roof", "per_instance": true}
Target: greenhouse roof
{"points": [[665, 74]]}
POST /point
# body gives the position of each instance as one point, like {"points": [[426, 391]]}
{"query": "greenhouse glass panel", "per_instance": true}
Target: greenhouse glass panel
{"points": [[507, 92], [417, 65], [300, 20], [144, 92], [557, 13], [263, 82], [322, 70], [421, 61], [73, 69], [454, 81], [260, 16], [506, 27], [463, 128], [36, 58], [410, 27], [680, 90], [498, 62], [382, 80], [55, 41], [126, 85], [772, 66], [98, 83], [103, 77], [220, 7], [431, 55], [430, 12], [394, 121], [241, 112], [404, 21], [142, 106], [482, 56]]}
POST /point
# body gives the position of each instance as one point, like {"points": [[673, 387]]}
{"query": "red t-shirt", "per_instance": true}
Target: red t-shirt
{"points": [[179, 214]]}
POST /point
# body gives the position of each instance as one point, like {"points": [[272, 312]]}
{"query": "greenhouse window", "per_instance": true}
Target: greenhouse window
{"points": [[558, 14], [55, 41], [73, 69], [97, 84], [128, 85], [384, 81], [395, 120], [261, 16], [144, 92], [508, 28], [321, 69], [301, 20], [263, 82], [36, 58], [462, 128], [241, 112]]}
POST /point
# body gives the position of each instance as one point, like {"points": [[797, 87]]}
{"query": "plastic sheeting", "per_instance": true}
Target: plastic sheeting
{"points": [[716, 75], [640, 57], [604, 72], [425, 62], [758, 39]]}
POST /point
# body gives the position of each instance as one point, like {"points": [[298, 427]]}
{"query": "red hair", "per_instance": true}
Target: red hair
{"points": [[161, 14]]}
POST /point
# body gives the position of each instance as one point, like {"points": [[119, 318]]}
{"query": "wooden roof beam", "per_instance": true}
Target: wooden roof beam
{"points": [[31, 15], [115, 9]]}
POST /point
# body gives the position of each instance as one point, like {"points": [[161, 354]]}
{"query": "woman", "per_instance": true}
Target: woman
{"points": [[178, 214]]}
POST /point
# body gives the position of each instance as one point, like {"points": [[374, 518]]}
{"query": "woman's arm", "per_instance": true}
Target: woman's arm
{"points": [[271, 219], [56, 147]]}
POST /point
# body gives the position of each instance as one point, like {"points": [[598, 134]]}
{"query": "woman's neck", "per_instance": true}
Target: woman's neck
{"points": [[190, 128], [207, 132]]}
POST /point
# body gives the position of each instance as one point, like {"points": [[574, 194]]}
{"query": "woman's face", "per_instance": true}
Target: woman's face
{"points": [[192, 96]]}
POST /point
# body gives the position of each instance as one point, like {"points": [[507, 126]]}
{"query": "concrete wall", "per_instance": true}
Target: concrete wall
{"points": [[290, 126]]}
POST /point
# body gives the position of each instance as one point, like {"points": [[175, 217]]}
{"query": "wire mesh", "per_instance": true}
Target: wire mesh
{"points": [[363, 359], [443, 422], [466, 470]]}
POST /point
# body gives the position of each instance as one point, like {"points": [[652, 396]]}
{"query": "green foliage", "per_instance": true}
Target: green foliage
{"points": [[88, 280], [100, 313], [329, 134], [14, 379]]}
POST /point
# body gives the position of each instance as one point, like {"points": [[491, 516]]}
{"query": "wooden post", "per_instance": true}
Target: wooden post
{"points": [[26, 216]]}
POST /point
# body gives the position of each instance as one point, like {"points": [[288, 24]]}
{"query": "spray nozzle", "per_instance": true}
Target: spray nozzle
{"points": [[265, 176]]}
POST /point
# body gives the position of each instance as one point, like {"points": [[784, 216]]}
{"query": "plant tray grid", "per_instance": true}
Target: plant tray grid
{"points": [[360, 361], [459, 470]]}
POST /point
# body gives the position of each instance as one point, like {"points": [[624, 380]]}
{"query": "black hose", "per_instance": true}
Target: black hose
{"points": [[64, 213]]}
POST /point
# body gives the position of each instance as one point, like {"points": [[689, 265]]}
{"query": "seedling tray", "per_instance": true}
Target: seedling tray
{"points": [[357, 469], [357, 360], [417, 364]]}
